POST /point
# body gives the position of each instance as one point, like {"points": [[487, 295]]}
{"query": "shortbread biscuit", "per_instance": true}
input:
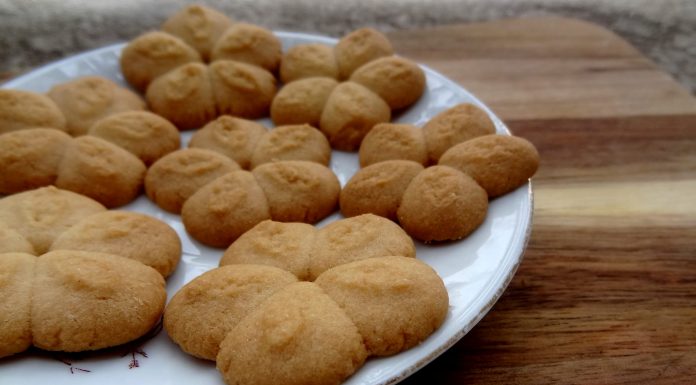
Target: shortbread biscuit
{"points": [[43, 214], [16, 275], [400, 82], [203, 312], [442, 204], [308, 60], [23, 109], [225, 208], [395, 302], [387, 141], [302, 101], [455, 125], [294, 142], [350, 113], [199, 26], [242, 89], [284, 245], [498, 163], [128, 234], [87, 301], [101, 170], [298, 191], [234, 137], [146, 135], [357, 238], [29, 158], [297, 336], [153, 54], [178, 175], [250, 44], [88, 99], [378, 188], [360, 47], [12, 241]]}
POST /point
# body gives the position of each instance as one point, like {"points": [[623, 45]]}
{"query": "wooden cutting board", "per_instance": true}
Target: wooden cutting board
{"points": [[606, 293]]}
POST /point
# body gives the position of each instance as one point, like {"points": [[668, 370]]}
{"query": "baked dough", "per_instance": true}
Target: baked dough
{"points": [[250, 44], [234, 137], [308, 60], [387, 141], [294, 142], [199, 26], [360, 47], [23, 109], [16, 275], [455, 125], [302, 101]]}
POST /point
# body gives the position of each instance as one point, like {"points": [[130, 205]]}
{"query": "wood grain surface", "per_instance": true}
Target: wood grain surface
{"points": [[606, 293]]}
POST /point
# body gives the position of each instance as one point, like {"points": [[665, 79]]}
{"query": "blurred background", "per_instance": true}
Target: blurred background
{"points": [[34, 32]]}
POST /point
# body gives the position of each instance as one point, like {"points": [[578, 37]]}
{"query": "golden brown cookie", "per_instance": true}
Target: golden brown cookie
{"points": [[234, 137], [350, 113], [360, 47], [442, 204], [356, 238], [297, 336], [395, 302], [43, 214], [184, 96], [178, 175], [283, 245], [203, 312], [12, 241], [128, 234], [306, 61], [29, 158], [250, 44], [387, 141], [298, 191], [455, 125], [87, 301], [88, 99], [378, 188], [302, 101], [400, 82], [101, 170], [23, 109], [498, 163], [153, 54], [225, 208], [146, 135], [242, 89], [294, 142], [199, 26], [16, 275]]}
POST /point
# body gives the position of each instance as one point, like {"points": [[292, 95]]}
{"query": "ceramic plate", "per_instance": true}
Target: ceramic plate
{"points": [[475, 270]]}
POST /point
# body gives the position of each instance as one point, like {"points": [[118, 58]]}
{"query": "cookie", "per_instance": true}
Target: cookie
{"points": [[400, 82], [203, 312], [224, 209], [297, 336], [87, 301], [101, 170], [88, 99], [498, 163], [357, 238], [350, 113], [298, 191], [23, 109], [233, 137], [146, 135], [16, 275], [12, 241], [308, 60], [250, 44], [176, 176], [395, 302], [302, 101], [29, 158], [128, 234], [43, 214], [387, 141], [360, 47], [283, 245], [294, 142], [442, 204], [455, 125], [242, 89], [199, 26], [378, 188], [153, 54]]}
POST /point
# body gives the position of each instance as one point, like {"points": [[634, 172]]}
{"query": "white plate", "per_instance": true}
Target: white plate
{"points": [[475, 270]]}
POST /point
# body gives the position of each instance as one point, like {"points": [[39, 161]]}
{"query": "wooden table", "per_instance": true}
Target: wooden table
{"points": [[606, 293]]}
